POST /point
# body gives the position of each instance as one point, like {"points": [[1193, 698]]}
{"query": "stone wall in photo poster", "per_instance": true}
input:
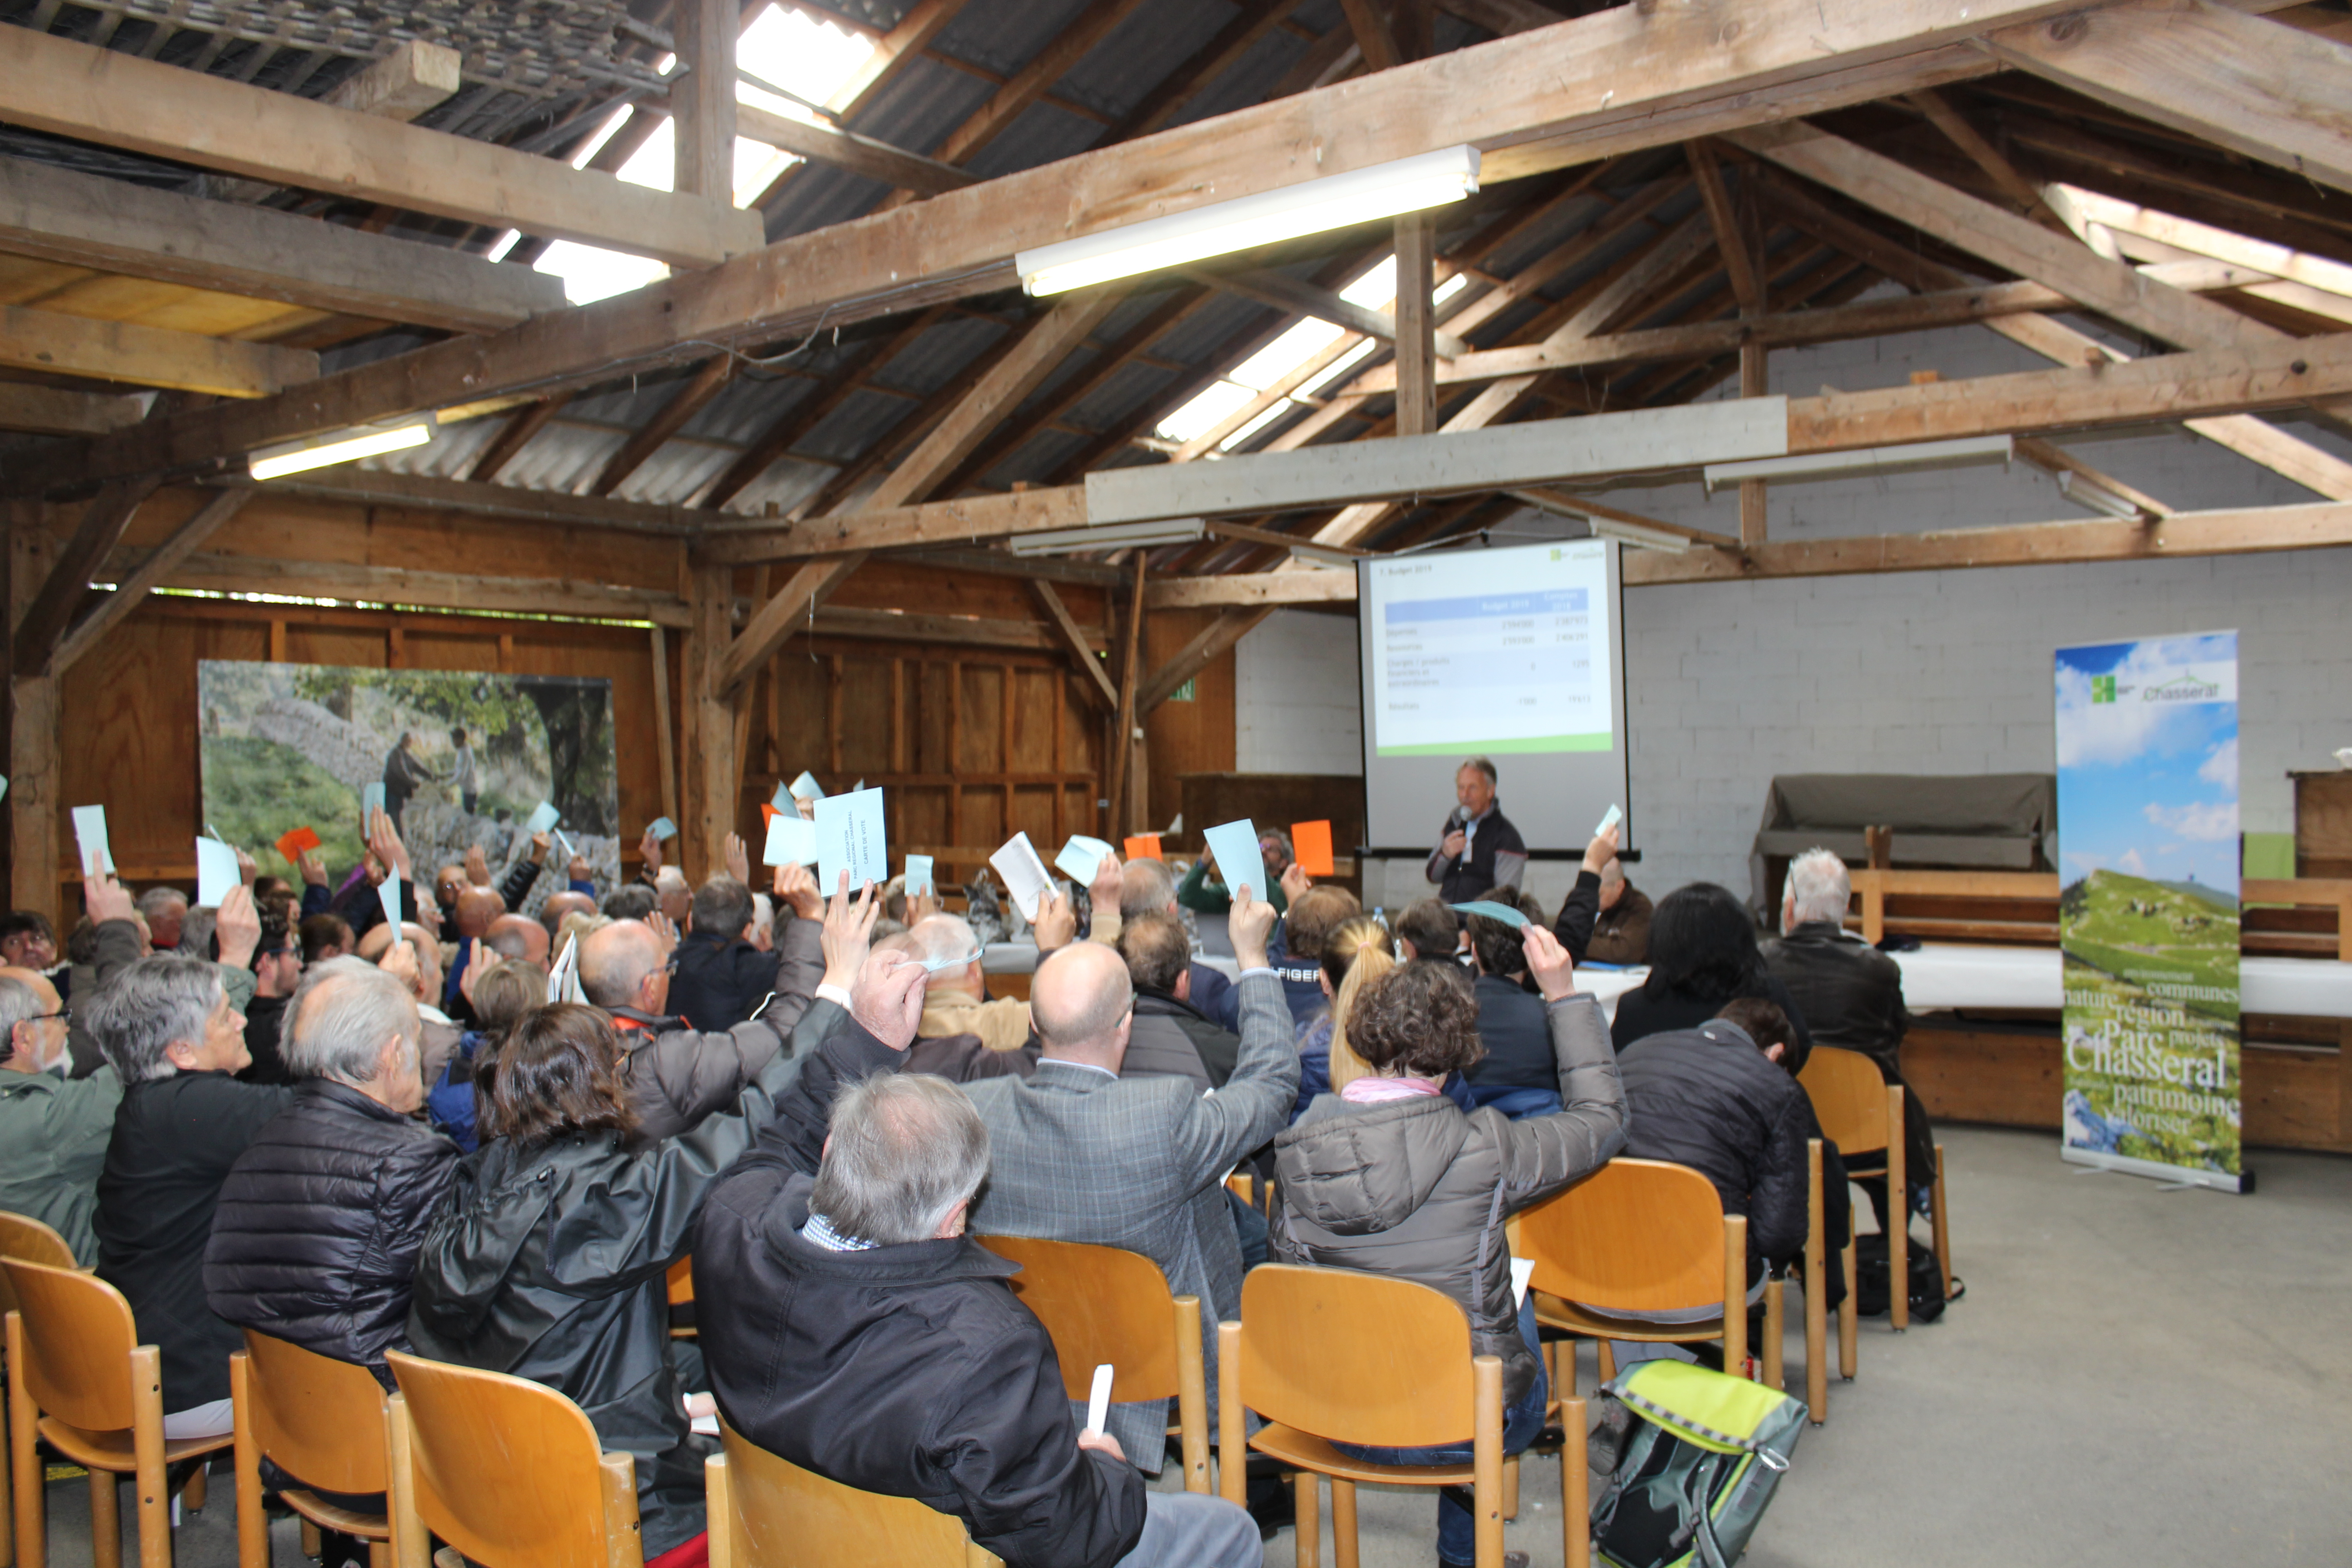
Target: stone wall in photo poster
{"points": [[2148, 855]]}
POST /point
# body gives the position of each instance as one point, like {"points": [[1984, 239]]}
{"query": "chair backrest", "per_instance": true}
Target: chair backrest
{"points": [[1636, 1236], [681, 1282], [767, 1510], [1356, 1358], [27, 1240], [1100, 1304], [1849, 1095], [509, 1471], [78, 1336], [315, 1417]]}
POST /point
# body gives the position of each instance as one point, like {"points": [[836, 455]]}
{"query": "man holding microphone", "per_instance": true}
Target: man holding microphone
{"points": [[1481, 849]]}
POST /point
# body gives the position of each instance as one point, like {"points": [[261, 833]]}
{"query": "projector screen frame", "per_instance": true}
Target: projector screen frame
{"points": [[1567, 841]]}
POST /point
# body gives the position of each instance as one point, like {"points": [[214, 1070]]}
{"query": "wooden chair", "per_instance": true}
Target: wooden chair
{"points": [[506, 1470], [79, 1378], [1861, 1113], [680, 1280], [29, 1240], [768, 1512], [1643, 1235], [1817, 1369], [1330, 1355], [1103, 1305], [316, 1418]]}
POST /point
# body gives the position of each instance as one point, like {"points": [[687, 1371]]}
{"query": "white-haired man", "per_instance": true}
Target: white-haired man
{"points": [[1849, 993]]}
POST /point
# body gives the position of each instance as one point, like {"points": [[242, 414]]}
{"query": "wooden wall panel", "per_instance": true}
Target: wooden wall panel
{"points": [[1194, 737]]}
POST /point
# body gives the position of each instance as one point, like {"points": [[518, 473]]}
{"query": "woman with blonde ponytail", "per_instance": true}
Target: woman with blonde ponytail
{"points": [[1355, 952]]}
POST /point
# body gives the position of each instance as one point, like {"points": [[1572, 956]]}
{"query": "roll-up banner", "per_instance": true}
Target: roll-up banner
{"points": [[2147, 914]]}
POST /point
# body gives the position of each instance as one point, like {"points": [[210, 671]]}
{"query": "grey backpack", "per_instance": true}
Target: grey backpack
{"points": [[1698, 1470]]}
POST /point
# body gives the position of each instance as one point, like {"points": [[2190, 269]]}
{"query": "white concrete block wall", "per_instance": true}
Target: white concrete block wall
{"points": [[1298, 703], [1929, 672]]}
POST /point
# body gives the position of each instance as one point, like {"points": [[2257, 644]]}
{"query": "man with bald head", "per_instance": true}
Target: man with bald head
{"points": [[1079, 1153], [552, 913], [417, 963], [520, 938], [55, 1130], [676, 1075]]}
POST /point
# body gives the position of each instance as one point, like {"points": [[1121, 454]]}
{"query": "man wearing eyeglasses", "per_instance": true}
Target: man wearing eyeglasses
{"points": [[55, 1129]]}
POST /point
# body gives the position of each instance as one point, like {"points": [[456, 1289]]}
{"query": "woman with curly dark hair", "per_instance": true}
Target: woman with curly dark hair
{"points": [[1389, 1176], [1702, 953]]}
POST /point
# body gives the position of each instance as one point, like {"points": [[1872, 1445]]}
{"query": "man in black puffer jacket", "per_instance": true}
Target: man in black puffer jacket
{"points": [[315, 1237]]}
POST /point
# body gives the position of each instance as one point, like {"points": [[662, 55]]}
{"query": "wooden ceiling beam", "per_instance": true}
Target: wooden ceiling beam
{"points": [[514, 435], [1368, 23], [893, 52], [716, 376], [134, 586], [1092, 679], [51, 609], [1616, 79], [1730, 238], [774, 444], [67, 88], [381, 487], [957, 521], [1205, 649], [50, 411], [147, 356]]}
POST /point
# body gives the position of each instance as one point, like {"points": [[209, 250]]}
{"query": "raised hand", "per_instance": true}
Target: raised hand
{"points": [[649, 848], [1056, 922], [106, 898], [383, 842], [580, 871], [848, 931], [481, 963], [796, 885], [478, 865], [1250, 923], [247, 867], [1294, 881], [887, 998], [540, 845], [739, 864], [1604, 848], [399, 961], [1548, 960], [238, 927], [313, 867]]}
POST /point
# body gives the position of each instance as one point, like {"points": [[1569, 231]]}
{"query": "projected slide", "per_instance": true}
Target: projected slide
{"points": [[1497, 652]]}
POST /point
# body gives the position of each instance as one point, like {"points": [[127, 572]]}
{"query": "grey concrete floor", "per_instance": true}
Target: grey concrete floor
{"points": [[2136, 1376]]}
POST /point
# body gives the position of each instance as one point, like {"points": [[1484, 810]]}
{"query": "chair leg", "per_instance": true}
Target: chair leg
{"points": [[1310, 1528], [1575, 1486], [1849, 1329], [23, 1463], [252, 1523], [1775, 1327], [1898, 1204], [198, 1488], [1942, 1227], [1817, 1345], [311, 1546], [1510, 1486], [7, 1517], [379, 1554], [1606, 1368], [154, 1518], [105, 1519], [1343, 1523]]}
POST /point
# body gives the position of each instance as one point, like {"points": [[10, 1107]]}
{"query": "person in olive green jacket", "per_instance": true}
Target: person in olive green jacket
{"points": [[55, 1129]]}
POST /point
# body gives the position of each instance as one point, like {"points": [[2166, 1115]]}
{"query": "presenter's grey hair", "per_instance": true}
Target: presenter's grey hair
{"points": [[340, 1018], [154, 1004], [901, 1150], [1484, 765], [1818, 888]]}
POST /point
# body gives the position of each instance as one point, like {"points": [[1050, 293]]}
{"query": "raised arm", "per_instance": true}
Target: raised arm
{"points": [[1256, 1102], [1541, 1155]]}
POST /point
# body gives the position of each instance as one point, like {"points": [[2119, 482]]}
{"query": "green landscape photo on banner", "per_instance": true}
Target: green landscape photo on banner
{"points": [[2147, 912]]}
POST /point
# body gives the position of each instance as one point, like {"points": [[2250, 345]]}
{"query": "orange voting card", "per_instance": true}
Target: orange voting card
{"points": [[293, 843], [768, 814], [1143, 846], [1311, 842]]}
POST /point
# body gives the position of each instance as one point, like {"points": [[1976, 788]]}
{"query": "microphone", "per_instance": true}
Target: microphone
{"points": [[1455, 818]]}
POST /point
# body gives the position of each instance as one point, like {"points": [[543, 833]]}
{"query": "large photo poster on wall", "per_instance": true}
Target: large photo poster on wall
{"points": [[463, 757], [2147, 916]]}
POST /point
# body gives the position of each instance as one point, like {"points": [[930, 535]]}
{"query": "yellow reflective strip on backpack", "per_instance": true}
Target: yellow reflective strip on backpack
{"points": [[1707, 1408]]}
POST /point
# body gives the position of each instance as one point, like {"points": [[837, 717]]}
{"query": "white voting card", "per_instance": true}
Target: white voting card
{"points": [[1024, 875], [216, 872], [1235, 844], [849, 837], [791, 841]]}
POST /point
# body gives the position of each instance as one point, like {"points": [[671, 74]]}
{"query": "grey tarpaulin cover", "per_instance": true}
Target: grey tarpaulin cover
{"points": [[1973, 821]]}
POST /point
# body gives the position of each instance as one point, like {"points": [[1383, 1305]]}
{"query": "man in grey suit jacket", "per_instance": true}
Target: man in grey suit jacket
{"points": [[1078, 1154]]}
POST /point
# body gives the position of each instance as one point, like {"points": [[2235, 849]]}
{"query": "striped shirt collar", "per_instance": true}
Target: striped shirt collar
{"points": [[819, 1232]]}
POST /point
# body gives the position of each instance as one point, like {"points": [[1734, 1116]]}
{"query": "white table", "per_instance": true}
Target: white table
{"points": [[1940, 977], [1607, 985]]}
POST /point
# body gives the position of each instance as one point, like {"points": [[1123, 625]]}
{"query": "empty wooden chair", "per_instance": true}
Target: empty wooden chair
{"points": [[29, 1240], [1331, 1355], [768, 1512], [506, 1470], [1861, 1113], [1103, 1305], [1641, 1236], [78, 1377], [320, 1420]]}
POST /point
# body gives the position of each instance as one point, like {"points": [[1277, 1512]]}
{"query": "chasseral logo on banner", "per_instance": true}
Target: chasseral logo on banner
{"points": [[2147, 914]]}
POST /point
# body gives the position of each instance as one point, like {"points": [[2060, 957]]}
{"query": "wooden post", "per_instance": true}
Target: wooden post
{"points": [[665, 737], [1123, 724], [34, 784], [1416, 327], [702, 105], [712, 785], [1752, 384]]}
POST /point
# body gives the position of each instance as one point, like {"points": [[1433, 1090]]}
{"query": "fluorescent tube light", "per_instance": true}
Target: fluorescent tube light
{"points": [[2089, 493], [1635, 533], [1408, 185], [1870, 460], [1113, 536], [347, 446]]}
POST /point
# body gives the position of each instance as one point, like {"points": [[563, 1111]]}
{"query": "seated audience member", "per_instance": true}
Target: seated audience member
{"points": [[1171, 1036], [54, 1130], [1702, 953], [1391, 1177], [674, 896], [675, 1074], [1515, 1072], [1723, 1099], [852, 1326], [561, 907], [722, 978], [175, 1039], [197, 934], [1355, 954], [1149, 886], [111, 937], [1579, 912], [326, 936], [315, 1233], [764, 920], [449, 886], [1622, 934], [1083, 1154], [504, 992], [1203, 889], [1852, 995], [277, 971], [957, 1002], [28, 940], [1429, 930], [633, 902], [959, 1059], [520, 937], [266, 889], [1297, 947], [549, 1261], [165, 910]]}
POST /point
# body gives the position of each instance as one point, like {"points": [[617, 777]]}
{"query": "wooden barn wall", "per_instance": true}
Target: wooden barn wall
{"points": [[1185, 737]]}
